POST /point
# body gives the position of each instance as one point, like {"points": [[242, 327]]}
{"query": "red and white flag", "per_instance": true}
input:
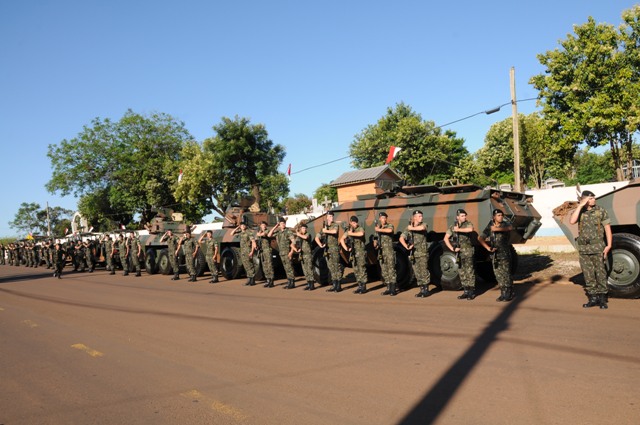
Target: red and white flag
{"points": [[289, 170], [66, 230], [122, 227], [393, 151], [180, 176]]}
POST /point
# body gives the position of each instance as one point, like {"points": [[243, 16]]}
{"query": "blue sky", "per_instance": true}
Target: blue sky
{"points": [[315, 73]]}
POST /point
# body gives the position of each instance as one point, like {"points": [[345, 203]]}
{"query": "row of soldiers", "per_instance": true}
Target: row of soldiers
{"points": [[298, 243]]}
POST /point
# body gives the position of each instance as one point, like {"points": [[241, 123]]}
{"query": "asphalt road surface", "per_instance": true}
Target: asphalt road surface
{"points": [[100, 349]]}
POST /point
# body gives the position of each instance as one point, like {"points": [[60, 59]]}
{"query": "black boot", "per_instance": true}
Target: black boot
{"points": [[424, 292], [193, 278], [510, 293], [364, 288], [290, 284], [359, 290], [603, 301], [334, 286], [392, 290], [125, 273], [464, 295], [248, 282], [472, 294], [388, 290], [214, 279], [338, 286], [269, 283], [312, 286], [138, 274], [112, 271], [592, 302], [251, 282], [176, 277], [503, 295]]}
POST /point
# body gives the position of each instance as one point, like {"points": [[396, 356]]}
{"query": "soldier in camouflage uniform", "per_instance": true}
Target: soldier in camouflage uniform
{"points": [[460, 232], [305, 254], [58, 258], [248, 247], [285, 239], [498, 232], [2, 252], [266, 259], [123, 251], [78, 256], [135, 251], [331, 244], [88, 254], [414, 240], [211, 254], [594, 226], [108, 253], [387, 255], [172, 244], [189, 249], [355, 233]]}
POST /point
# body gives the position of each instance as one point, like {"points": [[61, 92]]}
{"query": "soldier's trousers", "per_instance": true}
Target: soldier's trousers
{"points": [[248, 265], [333, 263], [109, 261], [307, 266], [190, 262], [288, 268], [388, 267], [359, 269], [89, 261], [135, 262], [467, 272], [174, 262], [267, 263], [125, 263], [595, 275], [421, 269], [502, 270], [213, 267]]}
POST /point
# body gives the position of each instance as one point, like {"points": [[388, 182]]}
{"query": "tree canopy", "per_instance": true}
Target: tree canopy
{"points": [[240, 160], [121, 168], [427, 152], [31, 218], [591, 85]]}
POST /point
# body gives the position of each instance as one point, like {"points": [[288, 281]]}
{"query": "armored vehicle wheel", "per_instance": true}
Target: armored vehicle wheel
{"points": [[150, 264], [320, 269], [163, 263], [444, 270], [404, 271], [624, 266], [231, 263], [200, 263], [257, 263]]}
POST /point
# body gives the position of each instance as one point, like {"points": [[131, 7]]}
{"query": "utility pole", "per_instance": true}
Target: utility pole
{"points": [[516, 132], [48, 221]]}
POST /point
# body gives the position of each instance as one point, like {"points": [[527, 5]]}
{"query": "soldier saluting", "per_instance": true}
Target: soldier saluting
{"points": [[498, 231], [594, 226], [172, 244], [329, 232], [248, 247]]}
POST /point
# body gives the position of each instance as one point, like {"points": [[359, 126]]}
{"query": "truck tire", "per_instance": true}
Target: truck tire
{"points": [[163, 263], [320, 269], [443, 267], [624, 266], [200, 263], [230, 263], [150, 264]]}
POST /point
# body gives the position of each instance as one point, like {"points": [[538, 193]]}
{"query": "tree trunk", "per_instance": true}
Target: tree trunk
{"points": [[255, 192]]}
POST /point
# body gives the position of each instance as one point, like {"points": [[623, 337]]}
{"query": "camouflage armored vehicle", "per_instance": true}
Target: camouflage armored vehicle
{"points": [[438, 205], [623, 206]]}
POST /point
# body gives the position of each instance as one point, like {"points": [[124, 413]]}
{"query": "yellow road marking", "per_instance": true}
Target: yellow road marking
{"points": [[30, 323], [89, 351], [1, 309], [216, 405]]}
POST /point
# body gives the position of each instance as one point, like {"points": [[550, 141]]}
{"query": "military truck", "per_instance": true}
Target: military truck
{"points": [[623, 263], [438, 204]]}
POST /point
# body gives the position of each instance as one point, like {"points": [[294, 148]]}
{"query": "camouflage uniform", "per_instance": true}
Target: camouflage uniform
{"points": [[283, 239], [388, 263], [88, 254], [211, 245], [590, 247], [78, 256], [359, 260], [306, 258], [122, 248], [58, 257], [246, 236], [266, 259], [501, 260], [108, 250], [420, 260], [134, 245], [333, 252], [188, 247], [2, 251], [172, 245], [466, 267]]}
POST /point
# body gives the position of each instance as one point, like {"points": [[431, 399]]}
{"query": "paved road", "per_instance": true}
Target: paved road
{"points": [[100, 349]]}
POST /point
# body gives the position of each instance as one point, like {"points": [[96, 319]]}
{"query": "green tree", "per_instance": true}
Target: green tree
{"points": [[297, 204], [325, 191], [240, 160], [31, 218], [126, 167], [427, 152], [590, 88]]}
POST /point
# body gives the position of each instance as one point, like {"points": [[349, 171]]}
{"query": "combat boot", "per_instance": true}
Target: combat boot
{"points": [[472, 294], [465, 294], [176, 277], [193, 278], [388, 290], [359, 290], [424, 292], [248, 282], [603, 301], [334, 286], [292, 284], [503, 295], [125, 274], [214, 279], [510, 293], [392, 290], [112, 271], [592, 302], [251, 282], [338, 286], [364, 288], [311, 286], [138, 274]]}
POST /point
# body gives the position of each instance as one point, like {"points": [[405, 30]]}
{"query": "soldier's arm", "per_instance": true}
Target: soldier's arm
{"points": [[447, 241], [609, 237], [575, 216], [467, 229], [272, 231], [403, 241], [333, 231]]}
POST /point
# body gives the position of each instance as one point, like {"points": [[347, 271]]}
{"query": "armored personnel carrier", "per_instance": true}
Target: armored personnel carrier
{"points": [[438, 205], [623, 207]]}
